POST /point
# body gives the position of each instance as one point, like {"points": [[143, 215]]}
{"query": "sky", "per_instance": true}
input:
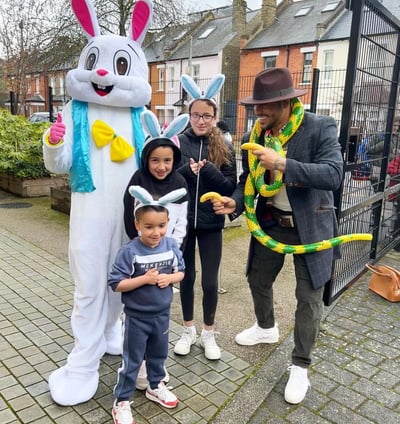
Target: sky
{"points": [[213, 4]]}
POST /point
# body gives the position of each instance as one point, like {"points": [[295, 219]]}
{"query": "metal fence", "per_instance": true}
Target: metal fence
{"points": [[369, 197]]}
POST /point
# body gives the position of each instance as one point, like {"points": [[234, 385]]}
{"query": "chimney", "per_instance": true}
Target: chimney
{"points": [[268, 13], [239, 17]]}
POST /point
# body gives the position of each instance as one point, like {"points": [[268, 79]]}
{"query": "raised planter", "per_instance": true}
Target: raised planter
{"points": [[25, 187], [61, 199]]}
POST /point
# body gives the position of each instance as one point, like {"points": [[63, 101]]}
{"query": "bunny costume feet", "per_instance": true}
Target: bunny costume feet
{"points": [[68, 388], [114, 340]]}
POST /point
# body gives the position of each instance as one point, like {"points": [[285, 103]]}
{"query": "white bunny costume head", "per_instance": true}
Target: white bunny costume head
{"points": [[112, 69]]}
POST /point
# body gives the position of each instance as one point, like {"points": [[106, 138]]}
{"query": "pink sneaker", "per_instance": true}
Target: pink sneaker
{"points": [[122, 413], [142, 382], [162, 396]]}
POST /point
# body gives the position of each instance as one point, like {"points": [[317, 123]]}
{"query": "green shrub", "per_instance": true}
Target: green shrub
{"points": [[21, 152]]}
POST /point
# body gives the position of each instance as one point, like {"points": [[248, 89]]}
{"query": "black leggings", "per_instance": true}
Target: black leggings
{"points": [[210, 248]]}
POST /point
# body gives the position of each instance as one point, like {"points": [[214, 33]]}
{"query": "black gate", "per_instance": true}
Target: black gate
{"points": [[369, 199]]}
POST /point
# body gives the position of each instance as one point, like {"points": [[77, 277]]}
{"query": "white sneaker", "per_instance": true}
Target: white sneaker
{"points": [[255, 335], [162, 395], [122, 413], [297, 385], [184, 344], [211, 349], [142, 382]]}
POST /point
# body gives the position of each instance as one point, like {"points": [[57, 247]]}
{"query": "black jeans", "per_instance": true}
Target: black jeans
{"points": [[264, 266]]}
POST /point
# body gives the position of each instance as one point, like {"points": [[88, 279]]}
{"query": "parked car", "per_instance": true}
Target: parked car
{"points": [[40, 117]]}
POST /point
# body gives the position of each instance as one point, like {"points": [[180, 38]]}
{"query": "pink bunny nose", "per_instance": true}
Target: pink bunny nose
{"points": [[102, 72]]}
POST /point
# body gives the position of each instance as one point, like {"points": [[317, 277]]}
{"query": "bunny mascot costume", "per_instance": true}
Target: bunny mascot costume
{"points": [[98, 141]]}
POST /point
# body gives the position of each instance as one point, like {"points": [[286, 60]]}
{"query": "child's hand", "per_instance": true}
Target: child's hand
{"points": [[196, 166], [164, 280], [152, 276]]}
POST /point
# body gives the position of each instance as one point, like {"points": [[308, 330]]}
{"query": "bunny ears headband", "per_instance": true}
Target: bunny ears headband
{"points": [[152, 127], [144, 198], [213, 87]]}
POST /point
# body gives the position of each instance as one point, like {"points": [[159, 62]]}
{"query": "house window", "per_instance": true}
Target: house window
{"points": [[206, 33], [196, 73], [161, 76], [332, 5], [328, 65], [62, 86], [307, 65], [270, 62], [180, 35], [376, 60], [37, 85], [305, 10], [53, 85], [171, 76], [28, 84]]}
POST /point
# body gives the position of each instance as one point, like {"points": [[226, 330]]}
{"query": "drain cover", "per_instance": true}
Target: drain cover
{"points": [[15, 205]]}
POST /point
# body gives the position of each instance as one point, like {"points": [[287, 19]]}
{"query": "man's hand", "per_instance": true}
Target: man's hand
{"points": [[223, 206], [57, 130], [270, 159]]}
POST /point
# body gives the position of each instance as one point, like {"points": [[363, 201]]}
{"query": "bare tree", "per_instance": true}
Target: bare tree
{"points": [[24, 30], [39, 35], [114, 14]]}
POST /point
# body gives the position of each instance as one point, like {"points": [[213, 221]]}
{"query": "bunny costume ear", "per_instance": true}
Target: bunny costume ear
{"points": [[152, 127], [144, 198], [140, 20], [150, 123], [141, 194], [213, 87], [176, 126], [86, 16]]}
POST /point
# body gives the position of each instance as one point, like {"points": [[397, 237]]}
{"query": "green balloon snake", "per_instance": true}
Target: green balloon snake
{"points": [[255, 184]]}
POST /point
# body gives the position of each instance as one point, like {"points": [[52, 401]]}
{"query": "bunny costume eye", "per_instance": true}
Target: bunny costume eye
{"points": [[122, 63], [91, 58]]}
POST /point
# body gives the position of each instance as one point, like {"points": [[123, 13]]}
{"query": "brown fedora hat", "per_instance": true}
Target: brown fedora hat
{"points": [[272, 85]]}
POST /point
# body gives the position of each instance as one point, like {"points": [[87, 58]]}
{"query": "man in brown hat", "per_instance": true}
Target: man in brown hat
{"points": [[301, 212]]}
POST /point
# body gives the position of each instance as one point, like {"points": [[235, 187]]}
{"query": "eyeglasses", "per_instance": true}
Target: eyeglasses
{"points": [[206, 117]]}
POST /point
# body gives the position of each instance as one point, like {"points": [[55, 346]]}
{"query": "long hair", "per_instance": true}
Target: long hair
{"points": [[218, 151]]}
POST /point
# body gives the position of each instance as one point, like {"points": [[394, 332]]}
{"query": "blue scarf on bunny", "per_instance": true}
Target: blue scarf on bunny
{"points": [[80, 173]]}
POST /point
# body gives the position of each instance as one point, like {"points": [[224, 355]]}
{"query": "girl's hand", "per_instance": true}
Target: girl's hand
{"points": [[196, 166]]}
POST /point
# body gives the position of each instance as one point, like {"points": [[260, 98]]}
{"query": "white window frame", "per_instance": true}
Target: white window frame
{"points": [[327, 66], [161, 78]]}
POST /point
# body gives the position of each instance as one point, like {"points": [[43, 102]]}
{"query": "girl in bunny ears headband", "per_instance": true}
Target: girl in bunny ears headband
{"points": [[160, 158], [144, 271], [208, 164]]}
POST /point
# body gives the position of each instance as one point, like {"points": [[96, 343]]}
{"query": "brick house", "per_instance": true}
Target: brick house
{"points": [[289, 37], [207, 45]]}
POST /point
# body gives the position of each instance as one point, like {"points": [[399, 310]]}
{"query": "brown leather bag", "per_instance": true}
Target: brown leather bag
{"points": [[385, 281]]}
